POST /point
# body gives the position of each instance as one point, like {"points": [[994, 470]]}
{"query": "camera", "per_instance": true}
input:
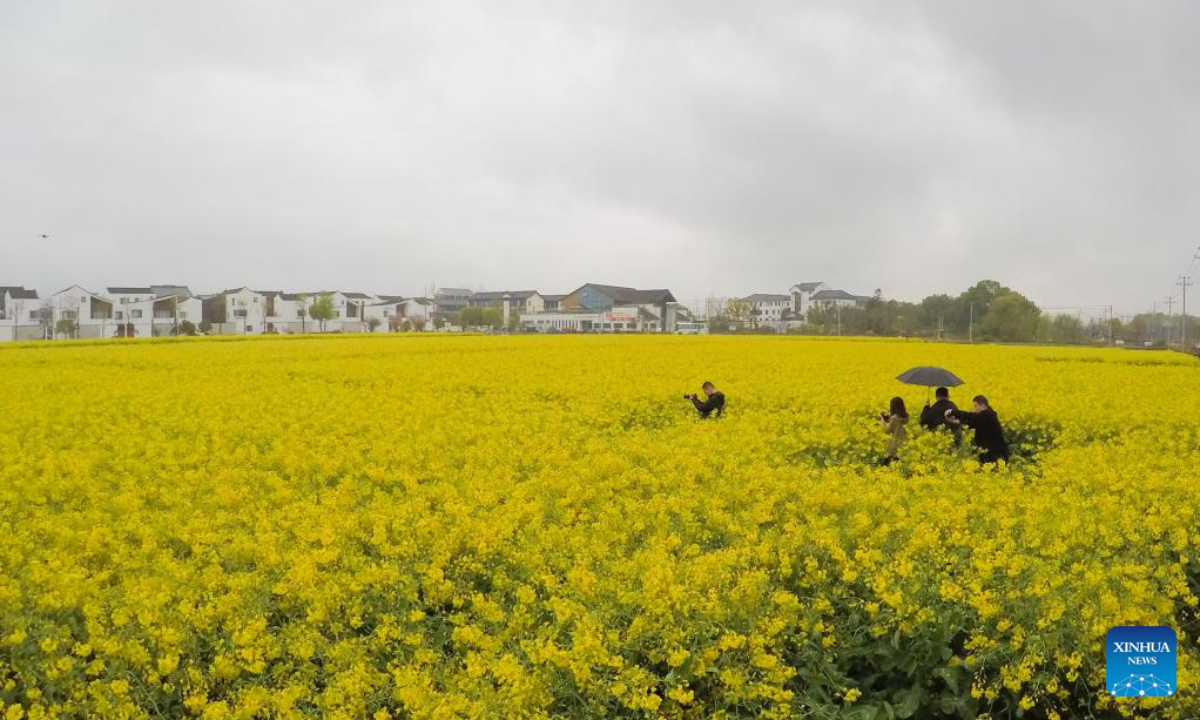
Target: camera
{"points": [[689, 397]]}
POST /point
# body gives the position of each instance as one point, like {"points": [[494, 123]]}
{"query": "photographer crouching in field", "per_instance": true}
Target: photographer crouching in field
{"points": [[714, 401]]}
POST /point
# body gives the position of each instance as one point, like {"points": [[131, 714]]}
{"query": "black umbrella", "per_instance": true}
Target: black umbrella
{"points": [[930, 377]]}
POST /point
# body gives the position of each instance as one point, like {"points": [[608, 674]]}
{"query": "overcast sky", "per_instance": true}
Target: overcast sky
{"points": [[709, 147]]}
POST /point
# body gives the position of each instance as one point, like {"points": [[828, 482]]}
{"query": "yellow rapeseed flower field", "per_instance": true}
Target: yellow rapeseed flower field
{"points": [[442, 527]]}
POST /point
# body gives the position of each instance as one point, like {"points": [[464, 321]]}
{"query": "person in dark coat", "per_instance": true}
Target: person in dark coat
{"points": [[989, 434], [714, 401], [934, 416]]}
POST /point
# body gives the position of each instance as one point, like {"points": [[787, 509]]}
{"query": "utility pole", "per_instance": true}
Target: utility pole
{"points": [[1170, 306], [1184, 282], [1154, 315]]}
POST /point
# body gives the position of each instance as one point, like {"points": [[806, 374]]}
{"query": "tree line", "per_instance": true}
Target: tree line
{"points": [[987, 311]]}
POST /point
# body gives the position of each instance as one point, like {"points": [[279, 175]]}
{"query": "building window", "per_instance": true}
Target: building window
{"points": [[135, 314], [241, 313], [33, 314], [183, 315], [120, 314]]}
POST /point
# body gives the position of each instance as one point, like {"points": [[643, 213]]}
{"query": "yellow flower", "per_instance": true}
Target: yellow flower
{"points": [[449, 527]]}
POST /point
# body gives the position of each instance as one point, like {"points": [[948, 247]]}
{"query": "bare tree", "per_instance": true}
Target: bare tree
{"points": [[302, 303]]}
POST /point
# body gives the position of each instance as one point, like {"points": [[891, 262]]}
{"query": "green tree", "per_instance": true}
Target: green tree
{"points": [[939, 315], [187, 327], [975, 302], [1066, 329], [67, 327], [493, 317], [373, 323], [322, 310], [742, 312], [470, 317], [1010, 317]]}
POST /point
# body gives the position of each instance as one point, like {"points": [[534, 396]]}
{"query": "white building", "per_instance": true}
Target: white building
{"points": [[240, 311], [141, 311], [619, 319], [769, 309], [394, 312], [349, 314], [836, 298], [93, 314], [20, 314], [802, 297]]}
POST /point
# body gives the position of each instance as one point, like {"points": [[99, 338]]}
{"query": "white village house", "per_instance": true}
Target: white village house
{"points": [[394, 312], [802, 294], [769, 308], [594, 307], [160, 310], [20, 314], [807, 295]]}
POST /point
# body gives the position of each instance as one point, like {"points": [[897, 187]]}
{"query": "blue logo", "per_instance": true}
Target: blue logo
{"points": [[1140, 661]]}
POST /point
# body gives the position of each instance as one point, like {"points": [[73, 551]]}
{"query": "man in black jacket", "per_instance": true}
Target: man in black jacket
{"points": [[934, 416], [989, 435], [714, 401]]}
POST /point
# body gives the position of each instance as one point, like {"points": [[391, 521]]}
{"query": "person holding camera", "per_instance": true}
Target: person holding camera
{"points": [[714, 401], [989, 433], [893, 423]]}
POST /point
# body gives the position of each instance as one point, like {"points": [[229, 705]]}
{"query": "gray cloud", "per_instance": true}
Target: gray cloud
{"points": [[708, 147]]}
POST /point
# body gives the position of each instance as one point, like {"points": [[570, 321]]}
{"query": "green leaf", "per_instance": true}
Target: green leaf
{"points": [[863, 712], [951, 676], [907, 702]]}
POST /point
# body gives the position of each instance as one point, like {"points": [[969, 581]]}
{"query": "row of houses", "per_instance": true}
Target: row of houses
{"points": [[171, 309], [792, 308], [592, 307]]}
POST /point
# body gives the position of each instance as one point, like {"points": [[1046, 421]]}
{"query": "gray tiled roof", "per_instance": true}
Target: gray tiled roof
{"points": [[766, 297], [627, 295], [834, 295], [499, 294], [20, 293]]}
